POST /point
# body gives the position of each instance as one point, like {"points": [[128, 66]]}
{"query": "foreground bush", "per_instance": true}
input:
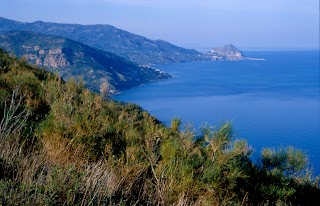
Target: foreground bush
{"points": [[63, 145]]}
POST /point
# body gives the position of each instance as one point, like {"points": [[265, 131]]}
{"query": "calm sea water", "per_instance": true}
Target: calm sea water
{"points": [[271, 103]]}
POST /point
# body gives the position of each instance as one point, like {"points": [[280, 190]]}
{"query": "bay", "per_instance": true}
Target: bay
{"points": [[271, 103]]}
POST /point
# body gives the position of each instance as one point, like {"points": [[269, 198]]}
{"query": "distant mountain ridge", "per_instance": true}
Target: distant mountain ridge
{"points": [[130, 46], [74, 59], [100, 53]]}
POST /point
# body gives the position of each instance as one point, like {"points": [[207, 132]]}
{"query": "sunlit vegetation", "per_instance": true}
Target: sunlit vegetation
{"points": [[61, 144]]}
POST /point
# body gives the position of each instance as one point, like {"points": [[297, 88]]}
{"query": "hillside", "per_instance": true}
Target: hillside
{"points": [[73, 59], [130, 46], [61, 144]]}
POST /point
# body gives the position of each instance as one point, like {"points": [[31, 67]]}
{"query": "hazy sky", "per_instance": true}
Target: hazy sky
{"points": [[200, 24]]}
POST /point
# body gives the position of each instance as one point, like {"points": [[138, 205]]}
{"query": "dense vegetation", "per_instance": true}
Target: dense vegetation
{"points": [[61, 144]]}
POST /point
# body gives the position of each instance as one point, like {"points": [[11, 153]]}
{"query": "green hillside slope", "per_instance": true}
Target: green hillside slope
{"points": [[72, 59]]}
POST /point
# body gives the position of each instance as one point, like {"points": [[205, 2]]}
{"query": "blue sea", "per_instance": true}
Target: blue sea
{"points": [[271, 103]]}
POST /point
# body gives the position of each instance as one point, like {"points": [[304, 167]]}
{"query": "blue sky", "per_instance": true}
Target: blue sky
{"points": [[200, 24]]}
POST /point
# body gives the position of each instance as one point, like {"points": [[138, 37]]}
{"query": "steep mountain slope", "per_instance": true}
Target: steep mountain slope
{"points": [[108, 38], [73, 59]]}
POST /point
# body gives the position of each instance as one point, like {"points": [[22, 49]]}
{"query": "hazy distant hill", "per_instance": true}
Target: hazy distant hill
{"points": [[108, 38], [74, 59], [227, 52]]}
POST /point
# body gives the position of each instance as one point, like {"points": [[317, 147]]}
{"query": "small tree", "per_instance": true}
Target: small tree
{"points": [[104, 89]]}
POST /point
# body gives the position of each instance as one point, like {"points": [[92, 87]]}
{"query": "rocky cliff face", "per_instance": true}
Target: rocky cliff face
{"points": [[50, 58], [227, 52]]}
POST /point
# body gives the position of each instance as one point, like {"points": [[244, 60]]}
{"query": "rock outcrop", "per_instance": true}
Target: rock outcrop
{"points": [[51, 58]]}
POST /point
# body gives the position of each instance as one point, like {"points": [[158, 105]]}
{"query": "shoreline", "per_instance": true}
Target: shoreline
{"points": [[255, 59]]}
